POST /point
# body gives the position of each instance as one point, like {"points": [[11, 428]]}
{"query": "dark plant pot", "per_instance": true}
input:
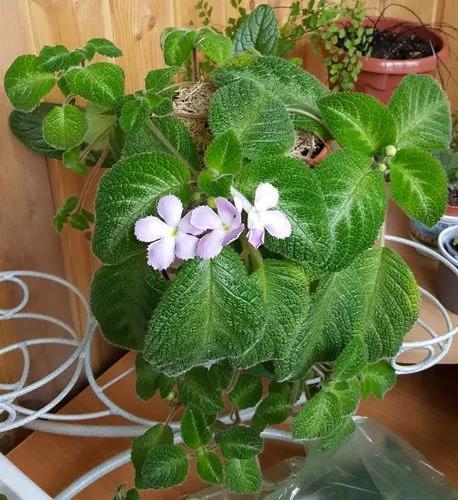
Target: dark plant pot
{"points": [[379, 77], [429, 235], [448, 280]]}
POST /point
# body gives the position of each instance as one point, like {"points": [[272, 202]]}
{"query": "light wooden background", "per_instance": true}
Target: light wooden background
{"points": [[31, 187]]}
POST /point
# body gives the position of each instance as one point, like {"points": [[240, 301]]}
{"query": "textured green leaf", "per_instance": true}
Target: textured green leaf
{"points": [[243, 476], [194, 429], [348, 394], [220, 375], [375, 298], [247, 391], [78, 221], [104, 47], [355, 196], [297, 89], [158, 435], [421, 110], [301, 200], [258, 31], [214, 185], [147, 378], [57, 57], [216, 47], [196, 392], [202, 315], [64, 211], [28, 128], [129, 191], [132, 113], [285, 286], [26, 84], [258, 118], [239, 442], [358, 121], [318, 417], [377, 379], [165, 466], [419, 185], [65, 127], [224, 154], [132, 494], [123, 297], [177, 44], [210, 468], [158, 79], [101, 82], [273, 409], [71, 159], [101, 121], [351, 360], [339, 436]]}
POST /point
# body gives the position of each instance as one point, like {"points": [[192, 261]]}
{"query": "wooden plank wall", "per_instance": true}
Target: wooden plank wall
{"points": [[31, 188]]}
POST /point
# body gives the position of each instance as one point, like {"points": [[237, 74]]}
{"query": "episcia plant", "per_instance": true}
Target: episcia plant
{"points": [[254, 289]]}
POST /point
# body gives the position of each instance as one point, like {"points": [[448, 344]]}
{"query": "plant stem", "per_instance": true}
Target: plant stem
{"points": [[88, 148], [308, 114], [90, 179], [195, 65], [172, 412], [232, 382]]}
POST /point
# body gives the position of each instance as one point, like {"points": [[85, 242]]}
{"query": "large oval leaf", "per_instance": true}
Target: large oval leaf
{"points": [[258, 31], [65, 127], [123, 297], [421, 111], [212, 311], [259, 119], [129, 191]]}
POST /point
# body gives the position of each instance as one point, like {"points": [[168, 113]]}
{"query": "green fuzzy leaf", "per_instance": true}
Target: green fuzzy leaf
{"points": [[104, 47], [214, 185], [355, 196], [419, 185], [318, 417], [28, 128], [224, 154], [147, 378], [102, 83], [310, 239], [285, 286], [377, 379], [376, 293], [196, 392], [101, 121], [177, 45], [158, 435], [158, 79], [243, 476], [201, 316], [65, 127], [272, 410], [351, 360], [220, 375], [339, 436], [64, 212], [297, 89], [129, 191], [165, 466], [258, 31], [26, 84], [132, 494], [58, 57], [421, 110], [123, 296], [78, 221], [194, 429], [239, 442], [348, 394], [132, 113], [71, 159], [210, 468], [358, 121], [247, 391], [258, 118], [216, 47]]}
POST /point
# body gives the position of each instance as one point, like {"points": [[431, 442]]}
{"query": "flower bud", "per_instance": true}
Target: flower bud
{"points": [[390, 151], [382, 167]]}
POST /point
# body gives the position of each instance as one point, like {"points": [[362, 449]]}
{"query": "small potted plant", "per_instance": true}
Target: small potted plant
{"points": [[447, 279], [226, 260]]}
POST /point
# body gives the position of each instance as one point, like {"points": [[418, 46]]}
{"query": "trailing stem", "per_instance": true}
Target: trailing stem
{"points": [[90, 179]]}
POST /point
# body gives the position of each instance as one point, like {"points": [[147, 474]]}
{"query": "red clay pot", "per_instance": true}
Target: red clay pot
{"points": [[379, 77], [322, 154]]}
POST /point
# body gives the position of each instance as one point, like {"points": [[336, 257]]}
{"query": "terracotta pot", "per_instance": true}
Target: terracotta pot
{"points": [[379, 77], [322, 154]]}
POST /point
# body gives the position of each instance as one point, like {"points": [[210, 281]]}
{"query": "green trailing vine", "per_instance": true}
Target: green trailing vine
{"points": [[231, 261]]}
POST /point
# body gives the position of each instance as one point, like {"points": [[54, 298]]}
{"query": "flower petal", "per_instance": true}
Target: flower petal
{"points": [[277, 224], [185, 225], [256, 237], [266, 196], [150, 229], [254, 220], [233, 234], [161, 253], [170, 209], [210, 245], [240, 202], [228, 214], [204, 218], [185, 246]]}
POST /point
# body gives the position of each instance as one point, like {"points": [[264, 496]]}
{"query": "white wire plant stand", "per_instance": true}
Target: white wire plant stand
{"points": [[435, 346]]}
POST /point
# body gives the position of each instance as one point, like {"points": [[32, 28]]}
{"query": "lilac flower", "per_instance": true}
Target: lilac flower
{"points": [[262, 217], [225, 227], [170, 237]]}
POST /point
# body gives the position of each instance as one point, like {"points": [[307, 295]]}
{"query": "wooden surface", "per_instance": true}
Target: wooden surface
{"points": [[423, 409]]}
